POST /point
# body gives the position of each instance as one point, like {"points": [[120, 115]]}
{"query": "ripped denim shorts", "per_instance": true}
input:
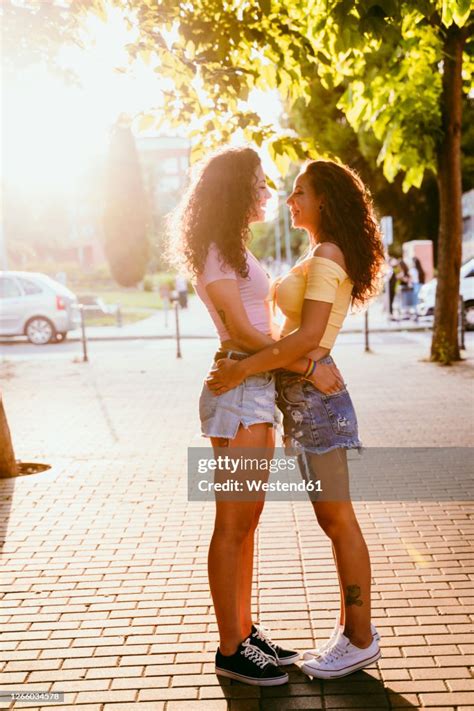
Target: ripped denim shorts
{"points": [[250, 403], [314, 422]]}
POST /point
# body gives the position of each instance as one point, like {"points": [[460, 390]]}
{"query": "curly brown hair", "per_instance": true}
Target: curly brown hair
{"points": [[217, 207], [348, 220]]}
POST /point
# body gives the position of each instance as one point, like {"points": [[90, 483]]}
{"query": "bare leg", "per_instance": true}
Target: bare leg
{"points": [[337, 518], [247, 556], [342, 611], [230, 550], [246, 620]]}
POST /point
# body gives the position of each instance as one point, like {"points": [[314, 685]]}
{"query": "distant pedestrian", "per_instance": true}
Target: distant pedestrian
{"points": [[406, 289], [181, 286], [392, 283], [417, 275]]}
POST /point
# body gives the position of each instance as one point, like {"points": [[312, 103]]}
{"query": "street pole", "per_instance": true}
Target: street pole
{"points": [[83, 335], [178, 342], [278, 236], [289, 257], [366, 331]]}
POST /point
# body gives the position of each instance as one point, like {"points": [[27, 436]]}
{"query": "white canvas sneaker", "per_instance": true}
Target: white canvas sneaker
{"points": [[341, 659], [338, 630]]}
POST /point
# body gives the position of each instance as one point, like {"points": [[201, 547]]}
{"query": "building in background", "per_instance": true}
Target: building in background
{"points": [[165, 164], [423, 249], [43, 231]]}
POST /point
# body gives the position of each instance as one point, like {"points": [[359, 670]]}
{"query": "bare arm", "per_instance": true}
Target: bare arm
{"points": [[314, 319], [225, 296], [315, 315]]}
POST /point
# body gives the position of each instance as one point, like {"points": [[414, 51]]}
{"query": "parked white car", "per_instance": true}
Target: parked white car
{"points": [[427, 295], [36, 306]]}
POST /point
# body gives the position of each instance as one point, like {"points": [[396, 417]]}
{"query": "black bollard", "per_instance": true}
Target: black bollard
{"points": [[178, 342], [83, 335], [366, 331]]}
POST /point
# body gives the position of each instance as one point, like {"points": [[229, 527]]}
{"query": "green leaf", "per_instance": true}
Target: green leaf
{"points": [[265, 6], [457, 11]]}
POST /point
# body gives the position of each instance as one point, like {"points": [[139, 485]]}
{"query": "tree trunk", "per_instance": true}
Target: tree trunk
{"points": [[444, 345], [8, 466]]}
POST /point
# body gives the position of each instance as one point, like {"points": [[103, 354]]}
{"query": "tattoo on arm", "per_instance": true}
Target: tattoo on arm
{"points": [[221, 313], [353, 595]]}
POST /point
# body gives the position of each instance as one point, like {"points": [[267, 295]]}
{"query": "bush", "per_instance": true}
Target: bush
{"points": [[148, 284]]}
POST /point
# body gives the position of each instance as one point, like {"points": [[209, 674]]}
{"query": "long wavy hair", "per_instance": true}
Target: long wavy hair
{"points": [[348, 220], [217, 207]]}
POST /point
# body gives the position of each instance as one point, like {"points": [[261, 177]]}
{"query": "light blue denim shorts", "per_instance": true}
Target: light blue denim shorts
{"points": [[251, 403], [314, 422]]}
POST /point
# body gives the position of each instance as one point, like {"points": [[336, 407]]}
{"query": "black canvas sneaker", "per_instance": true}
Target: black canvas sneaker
{"points": [[250, 665], [281, 656]]}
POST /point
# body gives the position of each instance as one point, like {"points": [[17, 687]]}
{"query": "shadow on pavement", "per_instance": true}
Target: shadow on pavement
{"points": [[357, 691]]}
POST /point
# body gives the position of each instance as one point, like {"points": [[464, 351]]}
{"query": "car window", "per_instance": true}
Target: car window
{"points": [[8, 288], [29, 287]]}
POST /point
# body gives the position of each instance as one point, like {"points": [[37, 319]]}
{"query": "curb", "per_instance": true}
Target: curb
{"points": [[419, 329], [167, 337]]}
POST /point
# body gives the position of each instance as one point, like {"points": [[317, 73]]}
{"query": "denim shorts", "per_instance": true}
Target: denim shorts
{"points": [[250, 403], [314, 422]]}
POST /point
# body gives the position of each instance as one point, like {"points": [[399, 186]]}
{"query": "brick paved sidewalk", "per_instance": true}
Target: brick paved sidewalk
{"points": [[104, 582]]}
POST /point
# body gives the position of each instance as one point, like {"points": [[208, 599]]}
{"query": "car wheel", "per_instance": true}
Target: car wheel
{"points": [[39, 331], [61, 336], [469, 316]]}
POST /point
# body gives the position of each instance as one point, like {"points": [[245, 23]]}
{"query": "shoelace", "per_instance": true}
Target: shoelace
{"points": [[325, 646], [334, 653], [262, 634], [255, 654]]}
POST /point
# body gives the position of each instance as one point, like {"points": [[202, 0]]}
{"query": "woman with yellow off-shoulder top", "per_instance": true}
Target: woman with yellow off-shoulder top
{"points": [[343, 265]]}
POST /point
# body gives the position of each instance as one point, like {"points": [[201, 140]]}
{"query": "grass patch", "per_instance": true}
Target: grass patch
{"points": [[131, 298], [111, 320]]}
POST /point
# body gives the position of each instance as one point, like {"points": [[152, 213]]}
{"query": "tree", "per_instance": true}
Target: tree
{"points": [[401, 62], [415, 212], [126, 214], [8, 465]]}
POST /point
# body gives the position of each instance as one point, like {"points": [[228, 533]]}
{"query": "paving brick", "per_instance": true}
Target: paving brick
{"points": [[104, 697], [352, 701], [458, 698], [301, 702], [57, 675], [443, 673], [173, 694], [461, 684], [215, 705], [124, 616], [152, 706]]}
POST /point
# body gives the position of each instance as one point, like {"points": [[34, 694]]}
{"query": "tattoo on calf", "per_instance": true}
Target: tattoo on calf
{"points": [[353, 595], [221, 313]]}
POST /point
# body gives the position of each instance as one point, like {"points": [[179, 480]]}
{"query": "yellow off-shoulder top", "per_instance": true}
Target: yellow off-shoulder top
{"points": [[316, 278]]}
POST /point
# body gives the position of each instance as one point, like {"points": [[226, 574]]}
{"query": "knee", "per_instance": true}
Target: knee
{"points": [[234, 532], [338, 526]]}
